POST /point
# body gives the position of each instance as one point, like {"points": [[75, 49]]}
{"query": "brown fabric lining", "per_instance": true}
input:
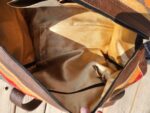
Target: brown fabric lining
{"points": [[71, 44]]}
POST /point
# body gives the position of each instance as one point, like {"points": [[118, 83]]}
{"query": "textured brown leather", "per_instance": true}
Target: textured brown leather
{"points": [[17, 98]]}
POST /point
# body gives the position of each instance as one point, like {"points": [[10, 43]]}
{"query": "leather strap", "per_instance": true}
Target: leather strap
{"points": [[147, 48], [17, 98]]}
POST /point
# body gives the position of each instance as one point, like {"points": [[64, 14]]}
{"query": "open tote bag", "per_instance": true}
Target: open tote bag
{"points": [[73, 54]]}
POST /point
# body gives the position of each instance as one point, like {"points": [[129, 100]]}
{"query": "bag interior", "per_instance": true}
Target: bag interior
{"points": [[73, 48]]}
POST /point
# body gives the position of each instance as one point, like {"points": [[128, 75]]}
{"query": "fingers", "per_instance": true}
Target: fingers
{"points": [[84, 110]]}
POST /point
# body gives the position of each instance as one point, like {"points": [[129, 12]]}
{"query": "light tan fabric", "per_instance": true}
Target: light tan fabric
{"points": [[14, 36], [72, 40]]}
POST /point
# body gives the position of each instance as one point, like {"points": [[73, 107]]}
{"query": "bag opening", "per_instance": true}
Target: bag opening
{"points": [[78, 53], [80, 48]]}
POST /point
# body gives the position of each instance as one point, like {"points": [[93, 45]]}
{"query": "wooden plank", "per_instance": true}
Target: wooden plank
{"points": [[142, 100], [136, 99], [5, 105]]}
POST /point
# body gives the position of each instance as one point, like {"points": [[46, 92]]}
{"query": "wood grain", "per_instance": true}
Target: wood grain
{"points": [[142, 101], [125, 104], [5, 105]]}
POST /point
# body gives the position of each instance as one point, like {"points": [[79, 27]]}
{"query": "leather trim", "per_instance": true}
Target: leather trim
{"points": [[119, 13]]}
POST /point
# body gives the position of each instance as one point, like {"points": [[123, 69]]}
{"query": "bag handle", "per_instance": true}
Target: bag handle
{"points": [[17, 98], [23, 80]]}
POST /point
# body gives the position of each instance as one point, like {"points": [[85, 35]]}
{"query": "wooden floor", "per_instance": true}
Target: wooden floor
{"points": [[136, 100]]}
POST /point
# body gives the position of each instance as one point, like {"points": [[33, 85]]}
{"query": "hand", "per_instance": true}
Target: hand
{"points": [[86, 110]]}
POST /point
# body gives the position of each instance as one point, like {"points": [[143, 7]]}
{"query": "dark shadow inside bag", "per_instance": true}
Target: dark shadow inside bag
{"points": [[78, 53]]}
